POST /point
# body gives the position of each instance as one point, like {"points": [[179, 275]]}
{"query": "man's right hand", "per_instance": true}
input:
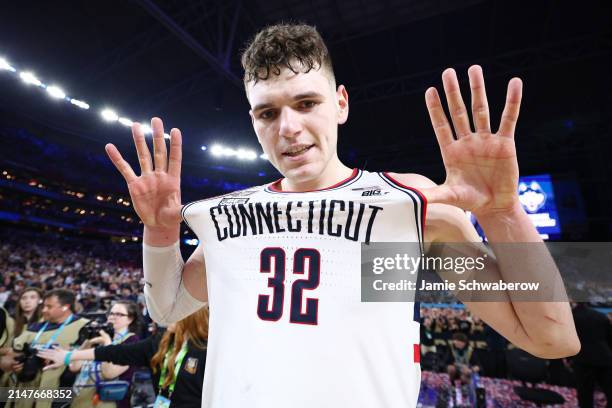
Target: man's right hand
{"points": [[156, 193]]}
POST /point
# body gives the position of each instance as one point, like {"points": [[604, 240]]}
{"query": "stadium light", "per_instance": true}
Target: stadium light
{"points": [[4, 65], [241, 153], [244, 154], [56, 92], [146, 129], [109, 115], [216, 151], [125, 122], [80, 104], [30, 78]]}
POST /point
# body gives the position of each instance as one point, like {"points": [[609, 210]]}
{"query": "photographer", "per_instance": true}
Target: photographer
{"points": [[177, 359], [59, 327], [6, 336], [123, 323]]}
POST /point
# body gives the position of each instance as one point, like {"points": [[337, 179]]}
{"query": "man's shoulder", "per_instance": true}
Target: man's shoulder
{"points": [[238, 194], [411, 179], [444, 222]]}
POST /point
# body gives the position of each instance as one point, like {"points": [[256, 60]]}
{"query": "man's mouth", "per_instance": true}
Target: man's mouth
{"points": [[297, 150]]}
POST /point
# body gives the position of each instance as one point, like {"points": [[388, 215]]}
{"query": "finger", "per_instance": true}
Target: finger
{"points": [[440, 124], [159, 145], [480, 106], [123, 166], [176, 153], [511, 110], [456, 107], [144, 156]]}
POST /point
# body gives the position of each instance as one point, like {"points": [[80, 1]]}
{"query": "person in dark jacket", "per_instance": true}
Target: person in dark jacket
{"points": [[125, 319], [593, 365], [177, 359]]}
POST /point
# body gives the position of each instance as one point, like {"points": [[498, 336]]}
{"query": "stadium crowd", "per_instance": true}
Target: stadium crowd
{"points": [[101, 274]]}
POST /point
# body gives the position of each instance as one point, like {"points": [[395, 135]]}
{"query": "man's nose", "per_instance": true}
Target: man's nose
{"points": [[290, 125]]}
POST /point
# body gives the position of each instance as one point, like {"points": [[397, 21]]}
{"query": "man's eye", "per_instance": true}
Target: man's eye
{"points": [[266, 115], [307, 104]]}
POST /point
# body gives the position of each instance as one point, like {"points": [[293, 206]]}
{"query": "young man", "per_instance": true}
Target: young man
{"points": [[280, 264]]}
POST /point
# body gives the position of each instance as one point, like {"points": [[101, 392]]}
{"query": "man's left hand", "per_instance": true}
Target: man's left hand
{"points": [[481, 166]]}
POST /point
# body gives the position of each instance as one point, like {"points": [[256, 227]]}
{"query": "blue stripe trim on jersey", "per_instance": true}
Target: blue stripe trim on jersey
{"points": [[345, 184]]}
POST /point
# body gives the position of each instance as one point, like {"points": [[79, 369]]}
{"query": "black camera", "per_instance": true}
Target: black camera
{"points": [[32, 364], [92, 330]]}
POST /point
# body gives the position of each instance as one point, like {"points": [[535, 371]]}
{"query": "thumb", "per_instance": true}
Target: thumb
{"points": [[52, 366], [441, 194]]}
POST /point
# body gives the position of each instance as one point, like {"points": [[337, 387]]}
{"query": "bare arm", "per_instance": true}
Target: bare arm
{"points": [[544, 329], [110, 370], [482, 177]]}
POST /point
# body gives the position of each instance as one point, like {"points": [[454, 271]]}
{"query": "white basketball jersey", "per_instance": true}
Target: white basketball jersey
{"points": [[288, 328]]}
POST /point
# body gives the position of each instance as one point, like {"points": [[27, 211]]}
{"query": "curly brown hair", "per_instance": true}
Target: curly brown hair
{"points": [[298, 47]]}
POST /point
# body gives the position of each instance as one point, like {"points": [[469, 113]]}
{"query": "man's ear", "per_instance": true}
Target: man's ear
{"points": [[343, 104]]}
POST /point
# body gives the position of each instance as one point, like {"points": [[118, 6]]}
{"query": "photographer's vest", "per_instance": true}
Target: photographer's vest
{"points": [[7, 330], [48, 379]]}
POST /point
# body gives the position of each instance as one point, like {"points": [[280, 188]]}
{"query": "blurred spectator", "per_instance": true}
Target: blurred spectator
{"points": [[61, 326], [177, 359], [29, 308], [6, 337], [125, 319], [461, 360], [593, 365]]}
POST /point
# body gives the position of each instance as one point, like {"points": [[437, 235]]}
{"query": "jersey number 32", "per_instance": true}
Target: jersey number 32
{"points": [[274, 260]]}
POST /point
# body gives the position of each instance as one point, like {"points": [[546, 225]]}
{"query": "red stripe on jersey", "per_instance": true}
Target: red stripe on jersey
{"points": [[417, 353]]}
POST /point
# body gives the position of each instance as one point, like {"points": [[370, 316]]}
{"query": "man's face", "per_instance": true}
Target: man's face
{"points": [[296, 117], [459, 344], [52, 310]]}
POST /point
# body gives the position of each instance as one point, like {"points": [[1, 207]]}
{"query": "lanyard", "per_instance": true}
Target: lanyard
{"points": [[121, 336], [55, 335], [177, 365]]}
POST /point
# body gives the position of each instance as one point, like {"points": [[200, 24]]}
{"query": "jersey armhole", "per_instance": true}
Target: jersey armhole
{"points": [[418, 199]]}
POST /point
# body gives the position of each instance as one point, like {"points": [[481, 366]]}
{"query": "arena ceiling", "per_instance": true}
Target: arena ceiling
{"points": [[180, 60]]}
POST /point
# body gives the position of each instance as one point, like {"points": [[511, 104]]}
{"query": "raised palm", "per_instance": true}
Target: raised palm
{"points": [[156, 193], [481, 166]]}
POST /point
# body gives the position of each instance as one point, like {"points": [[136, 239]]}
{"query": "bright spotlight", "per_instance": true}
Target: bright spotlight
{"points": [[166, 136], [4, 65], [56, 92], [229, 152], [29, 78], [80, 104], [146, 129], [109, 115], [217, 151], [263, 156], [203, 148], [125, 122], [245, 154]]}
